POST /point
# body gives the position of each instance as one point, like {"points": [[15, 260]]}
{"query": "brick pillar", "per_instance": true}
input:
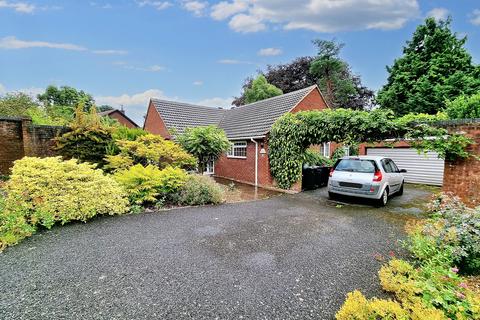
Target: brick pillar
{"points": [[27, 138]]}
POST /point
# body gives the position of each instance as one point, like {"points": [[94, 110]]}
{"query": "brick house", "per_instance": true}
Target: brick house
{"points": [[120, 116], [247, 127]]}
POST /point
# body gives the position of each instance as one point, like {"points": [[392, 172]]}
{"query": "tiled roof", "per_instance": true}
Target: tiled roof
{"points": [[249, 121], [179, 115], [256, 119]]}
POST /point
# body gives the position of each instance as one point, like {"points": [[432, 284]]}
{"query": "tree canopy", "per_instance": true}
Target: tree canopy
{"points": [[296, 75], [261, 90], [205, 143], [16, 104], [435, 67], [464, 107], [66, 96]]}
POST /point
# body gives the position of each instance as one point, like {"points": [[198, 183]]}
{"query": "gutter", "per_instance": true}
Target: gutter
{"points": [[256, 161]]}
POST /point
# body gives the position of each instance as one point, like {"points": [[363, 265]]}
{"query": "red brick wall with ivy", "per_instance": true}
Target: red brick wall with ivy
{"points": [[462, 177]]}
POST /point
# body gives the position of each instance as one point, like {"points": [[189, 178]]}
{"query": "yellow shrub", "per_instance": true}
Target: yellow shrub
{"points": [[44, 191], [357, 307], [149, 184], [399, 277], [150, 149]]}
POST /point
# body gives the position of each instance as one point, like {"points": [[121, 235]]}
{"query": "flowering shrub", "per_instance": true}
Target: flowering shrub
{"points": [[44, 191], [453, 228], [150, 184], [431, 287]]}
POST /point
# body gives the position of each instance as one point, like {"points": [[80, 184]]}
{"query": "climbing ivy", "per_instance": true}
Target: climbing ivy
{"points": [[292, 134]]}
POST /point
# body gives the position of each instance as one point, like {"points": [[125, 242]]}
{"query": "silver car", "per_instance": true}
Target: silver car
{"points": [[366, 177]]}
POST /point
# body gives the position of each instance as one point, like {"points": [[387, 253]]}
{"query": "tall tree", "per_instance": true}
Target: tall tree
{"points": [[296, 75], [16, 104], [332, 73], [261, 90], [66, 96], [435, 67]]}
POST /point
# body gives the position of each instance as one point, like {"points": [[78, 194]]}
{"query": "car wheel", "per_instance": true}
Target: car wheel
{"points": [[400, 192], [382, 202]]}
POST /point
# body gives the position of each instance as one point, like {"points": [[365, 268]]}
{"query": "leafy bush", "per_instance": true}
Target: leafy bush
{"points": [[88, 140], [314, 158], [205, 143], [150, 149], [464, 107], [44, 191], [150, 184], [200, 190], [122, 132]]}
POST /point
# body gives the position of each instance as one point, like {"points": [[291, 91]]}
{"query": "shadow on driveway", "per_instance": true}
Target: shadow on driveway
{"points": [[288, 257]]}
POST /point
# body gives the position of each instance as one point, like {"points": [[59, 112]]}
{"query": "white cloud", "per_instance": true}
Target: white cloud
{"points": [[438, 13], [14, 43], [110, 52], [135, 104], [246, 23], [198, 83], [316, 15], [216, 102], [268, 52], [21, 7], [158, 5], [225, 9], [3, 90], [233, 61], [126, 65], [475, 20], [197, 7]]}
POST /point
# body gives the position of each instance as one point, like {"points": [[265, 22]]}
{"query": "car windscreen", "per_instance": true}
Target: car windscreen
{"points": [[356, 165]]}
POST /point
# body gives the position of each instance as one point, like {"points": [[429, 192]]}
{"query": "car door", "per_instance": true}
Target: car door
{"points": [[394, 177]]}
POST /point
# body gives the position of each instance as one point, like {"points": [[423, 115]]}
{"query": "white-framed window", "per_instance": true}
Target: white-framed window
{"points": [[325, 149], [346, 150], [238, 150], [210, 169]]}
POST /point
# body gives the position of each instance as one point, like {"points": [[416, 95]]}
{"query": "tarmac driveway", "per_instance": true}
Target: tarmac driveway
{"points": [[288, 257]]}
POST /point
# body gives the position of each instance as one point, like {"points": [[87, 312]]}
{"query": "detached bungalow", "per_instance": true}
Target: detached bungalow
{"points": [[247, 127]]}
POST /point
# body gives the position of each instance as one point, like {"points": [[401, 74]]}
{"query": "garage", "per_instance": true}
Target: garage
{"points": [[421, 168]]}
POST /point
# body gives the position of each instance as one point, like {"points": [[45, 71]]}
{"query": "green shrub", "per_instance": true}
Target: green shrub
{"points": [[44, 191], [88, 140], [464, 107], [200, 190], [314, 158], [150, 184]]}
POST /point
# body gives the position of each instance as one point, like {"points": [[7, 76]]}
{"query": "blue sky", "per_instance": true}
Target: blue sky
{"points": [[126, 51]]}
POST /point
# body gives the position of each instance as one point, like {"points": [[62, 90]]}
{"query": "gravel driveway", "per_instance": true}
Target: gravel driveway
{"points": [[288, 257]]}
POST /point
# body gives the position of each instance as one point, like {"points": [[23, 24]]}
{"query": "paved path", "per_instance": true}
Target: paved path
{"points": [[289, 257]]}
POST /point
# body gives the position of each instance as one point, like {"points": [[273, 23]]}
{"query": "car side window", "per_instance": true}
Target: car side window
{"points": [[386, 166], [394, 166]]}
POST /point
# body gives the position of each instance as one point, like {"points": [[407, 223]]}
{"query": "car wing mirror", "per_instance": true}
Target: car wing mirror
{"points": [[403, 171]]}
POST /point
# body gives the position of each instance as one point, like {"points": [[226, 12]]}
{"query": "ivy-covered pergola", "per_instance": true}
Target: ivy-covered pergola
{"points": [[292, 134]]}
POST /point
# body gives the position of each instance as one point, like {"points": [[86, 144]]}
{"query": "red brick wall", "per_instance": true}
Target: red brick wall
{"points": [[19, 138], [120, 117], [154, 123], [462, 177], [242, 170], [313, 101]]}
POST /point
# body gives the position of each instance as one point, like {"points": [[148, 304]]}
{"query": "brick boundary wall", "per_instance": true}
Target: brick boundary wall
{"points": [[20, 138], [462, 177]]}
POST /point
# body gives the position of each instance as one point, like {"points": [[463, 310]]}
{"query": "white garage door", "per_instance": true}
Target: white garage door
{"points": [[420, 168]]}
